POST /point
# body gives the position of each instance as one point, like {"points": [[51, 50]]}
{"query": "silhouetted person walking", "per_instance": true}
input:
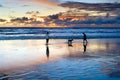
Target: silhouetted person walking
{"points": [[84, 41], [84, 38], [70, 42], [47, 38]]}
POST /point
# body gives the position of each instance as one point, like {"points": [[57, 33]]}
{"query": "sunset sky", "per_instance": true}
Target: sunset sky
{"points": [[32, 10]]}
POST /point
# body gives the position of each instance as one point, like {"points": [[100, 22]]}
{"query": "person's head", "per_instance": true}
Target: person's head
{"points": [[47, 32], [83, 33]]}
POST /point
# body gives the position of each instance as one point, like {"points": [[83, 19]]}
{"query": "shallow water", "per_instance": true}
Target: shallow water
{"points": [[33, 60]]}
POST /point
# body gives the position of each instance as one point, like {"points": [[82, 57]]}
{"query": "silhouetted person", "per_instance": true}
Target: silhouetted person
{"points": [[47, 51], [70, 42], [84, 41], [47, 38], [84, 38]]}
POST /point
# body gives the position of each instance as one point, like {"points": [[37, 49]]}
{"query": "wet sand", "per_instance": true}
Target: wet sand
{"points": [[33, 60]]}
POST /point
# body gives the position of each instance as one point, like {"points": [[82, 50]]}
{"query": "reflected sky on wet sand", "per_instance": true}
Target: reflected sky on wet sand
{"points": [[32, 59]]}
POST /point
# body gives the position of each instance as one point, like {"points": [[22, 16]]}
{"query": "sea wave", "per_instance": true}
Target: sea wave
{"points": [[58, 33]]}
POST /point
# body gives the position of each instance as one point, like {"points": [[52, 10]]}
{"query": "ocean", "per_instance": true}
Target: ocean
{"points": [[24, 55], [59, 33]]}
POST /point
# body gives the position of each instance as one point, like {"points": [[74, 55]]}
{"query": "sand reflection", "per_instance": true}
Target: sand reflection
{"points": [[24, 53], [17, 53]]}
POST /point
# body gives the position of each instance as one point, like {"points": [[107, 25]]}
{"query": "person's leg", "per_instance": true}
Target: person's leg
{"points": [[47, 41]]}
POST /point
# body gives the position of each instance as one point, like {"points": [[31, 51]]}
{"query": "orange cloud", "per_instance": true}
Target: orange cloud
{"points": [[47, 2]]}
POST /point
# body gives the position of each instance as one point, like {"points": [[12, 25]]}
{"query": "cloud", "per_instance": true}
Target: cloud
{"points": [[26, 5], [25, 20], [70, 22], [54, 21], [2, 20], [1, 5], [33, 12], [82, 10], [48, 2], [102, 21], [20, 20], [103, 7]]}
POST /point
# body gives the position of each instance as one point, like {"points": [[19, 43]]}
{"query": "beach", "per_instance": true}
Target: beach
{"points": [[60, 40], [34, 60]]}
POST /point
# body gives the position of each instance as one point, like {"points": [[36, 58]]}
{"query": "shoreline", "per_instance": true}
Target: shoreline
{"points": [[58, 38], [59, 27]]}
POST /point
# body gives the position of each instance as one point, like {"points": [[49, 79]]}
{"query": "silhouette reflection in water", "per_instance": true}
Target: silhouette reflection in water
{"points": [[47, 51], [70, 42], [84, 42], [85, 46]]}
